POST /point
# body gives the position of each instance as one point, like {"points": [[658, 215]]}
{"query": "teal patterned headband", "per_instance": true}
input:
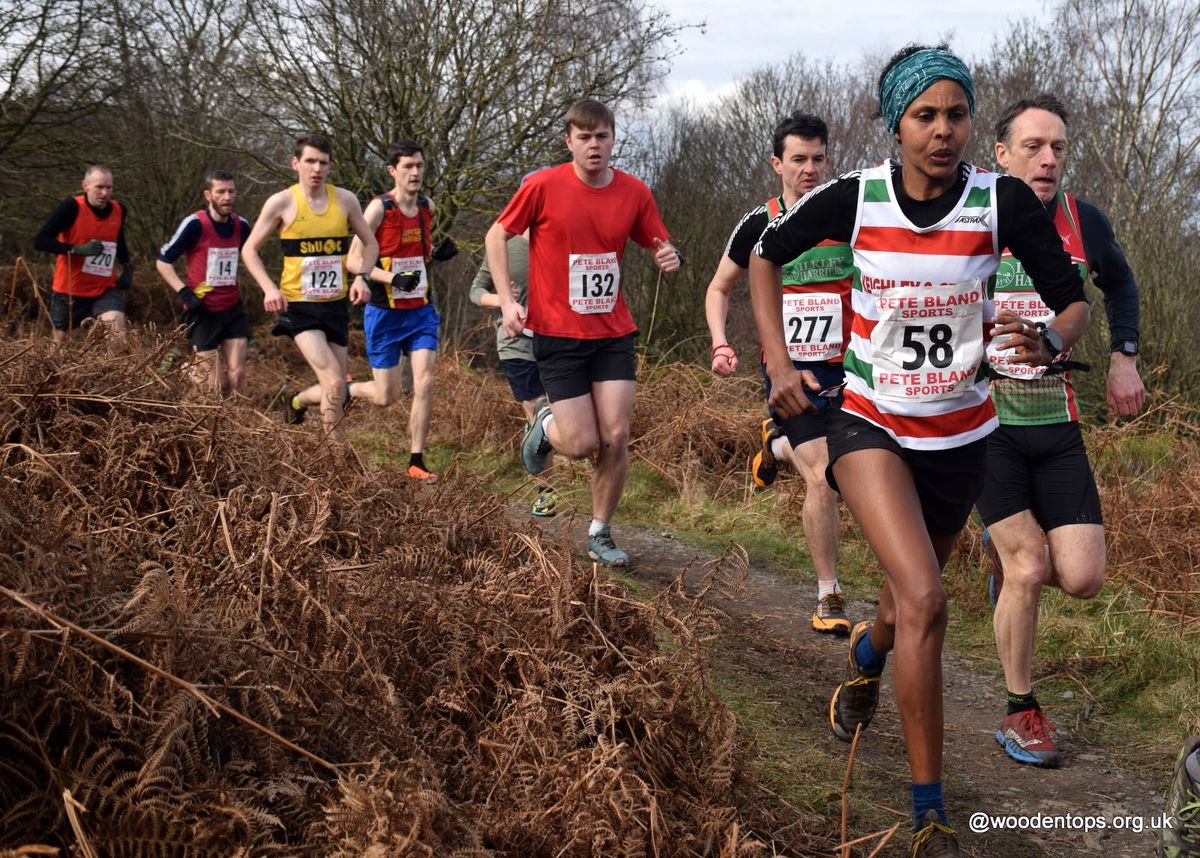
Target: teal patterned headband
{"points": [[916, 73]]}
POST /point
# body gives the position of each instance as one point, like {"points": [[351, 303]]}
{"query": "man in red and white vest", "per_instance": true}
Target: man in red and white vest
{"points": [[87, 231], [212, 238]]}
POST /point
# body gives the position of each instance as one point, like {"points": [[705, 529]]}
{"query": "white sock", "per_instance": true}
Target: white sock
{"points": [[546, 422], [779, 447], [824, 588], [597, 526]]}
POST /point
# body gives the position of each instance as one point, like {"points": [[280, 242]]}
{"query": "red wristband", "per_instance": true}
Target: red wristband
{"points": [[716, 349]]}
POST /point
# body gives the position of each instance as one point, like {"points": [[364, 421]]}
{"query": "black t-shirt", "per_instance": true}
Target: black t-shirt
{"points": [[829, 212], [746, 234], [63, 218]]}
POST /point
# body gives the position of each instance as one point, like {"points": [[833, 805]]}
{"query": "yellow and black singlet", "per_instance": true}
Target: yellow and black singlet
{"points": [[314, 251]]}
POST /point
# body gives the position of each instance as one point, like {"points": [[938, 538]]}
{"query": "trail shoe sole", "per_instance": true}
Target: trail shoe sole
{"points": [[1025, 736], [830, 616], [855, 700], [545, 505], [604, 551], [765, 467], [535, 446]]}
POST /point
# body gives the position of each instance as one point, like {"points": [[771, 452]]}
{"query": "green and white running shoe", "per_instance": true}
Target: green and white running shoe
{"points": [[545, 504]]}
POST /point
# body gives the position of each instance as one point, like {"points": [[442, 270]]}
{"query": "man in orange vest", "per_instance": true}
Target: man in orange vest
{"points": [[87, 231]]}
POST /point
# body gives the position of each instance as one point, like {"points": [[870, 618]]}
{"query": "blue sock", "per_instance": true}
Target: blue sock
{"points": [[927, 797], [870, 661]]}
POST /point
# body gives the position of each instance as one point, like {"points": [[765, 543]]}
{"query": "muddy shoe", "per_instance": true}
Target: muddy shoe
{"points": [[545, 505], [766, 467], [830, 616], [1026, 738], [285, 401], [855, 700], [535, 446], [1182, 838], [604, 551], [934, 840]]}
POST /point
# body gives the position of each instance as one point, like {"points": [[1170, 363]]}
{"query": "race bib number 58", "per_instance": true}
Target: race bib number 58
{"points": [[593, 282], [928, 342]]}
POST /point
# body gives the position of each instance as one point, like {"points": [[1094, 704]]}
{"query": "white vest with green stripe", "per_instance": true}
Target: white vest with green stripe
{"points": [[915, 365]]}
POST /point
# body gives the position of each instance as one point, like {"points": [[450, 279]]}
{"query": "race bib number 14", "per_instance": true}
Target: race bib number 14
{"points": [[221, 269], [928, 342], [593, 282]]}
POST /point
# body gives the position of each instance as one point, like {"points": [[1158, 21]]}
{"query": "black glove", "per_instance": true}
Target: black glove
{"points": [[91, 248], [190, 299], [406, 281], [446, 249], [126, 278]]}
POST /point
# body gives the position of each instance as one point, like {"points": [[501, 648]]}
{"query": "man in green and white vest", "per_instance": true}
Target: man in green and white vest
{"points": [[1040, 504]]}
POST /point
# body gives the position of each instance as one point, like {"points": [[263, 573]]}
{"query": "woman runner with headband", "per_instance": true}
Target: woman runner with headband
{"points": [[906, 447]]}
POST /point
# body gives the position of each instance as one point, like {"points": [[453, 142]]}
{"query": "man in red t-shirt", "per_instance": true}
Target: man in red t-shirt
{"points": [[580, 215]]}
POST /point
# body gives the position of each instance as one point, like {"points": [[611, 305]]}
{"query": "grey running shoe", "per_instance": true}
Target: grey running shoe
{"points": [[1182, 838], [934, 840], [855, 700], [603, 550], [535, 446]]}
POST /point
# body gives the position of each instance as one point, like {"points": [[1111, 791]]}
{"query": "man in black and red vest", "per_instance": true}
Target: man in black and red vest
{"points": [[212, 238], [87, 231], [400, 318]]}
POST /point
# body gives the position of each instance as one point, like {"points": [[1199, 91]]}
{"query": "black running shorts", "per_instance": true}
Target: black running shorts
{"points": [[68, 312], [569, 367], [207, 329], [1043, 469], [806, 427], [948, 482], [330, 317]]}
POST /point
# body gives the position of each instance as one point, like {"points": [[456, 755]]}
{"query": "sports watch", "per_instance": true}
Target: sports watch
{"points": [[1053, 340], [1129, 348]]}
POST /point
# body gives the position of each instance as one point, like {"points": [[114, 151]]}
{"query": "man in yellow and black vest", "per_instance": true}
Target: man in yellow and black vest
{"points": [[87, 231], [314, 220]]}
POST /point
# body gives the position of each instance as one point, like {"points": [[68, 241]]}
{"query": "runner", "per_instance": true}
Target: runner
{"points": [[580, 216], [87, 231], [314, 220], [213, 311], [907, 444], [817, 287], [400, 318], [1182, 838], [516, 353], [1039, 488]]}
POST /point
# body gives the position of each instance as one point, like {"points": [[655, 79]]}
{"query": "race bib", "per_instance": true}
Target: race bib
{"points": [[812, 325], [593, 281], [928, 342], [221, 269], [412, 263], [1027, 305], [321, 277], [102, 263]]}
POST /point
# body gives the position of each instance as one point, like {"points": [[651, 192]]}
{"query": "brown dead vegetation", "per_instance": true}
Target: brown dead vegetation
{"points": [[218, 637]]}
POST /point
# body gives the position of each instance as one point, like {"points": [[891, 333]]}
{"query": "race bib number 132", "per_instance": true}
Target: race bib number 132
{"points": [[593, 282]]}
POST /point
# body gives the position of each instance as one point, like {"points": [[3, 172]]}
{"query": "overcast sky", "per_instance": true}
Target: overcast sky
{"points": [[740, 36]]}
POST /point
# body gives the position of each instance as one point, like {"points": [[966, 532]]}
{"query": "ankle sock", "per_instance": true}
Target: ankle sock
{"points": [[596, 527], [870, 661], [1021, 702], [297, 405], [779, 447], [927, 797], [417, 459], [824, 588]]}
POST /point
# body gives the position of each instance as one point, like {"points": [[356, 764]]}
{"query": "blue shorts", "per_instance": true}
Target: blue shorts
{"points": [[391, 333], [523, 378], [806, 427]]}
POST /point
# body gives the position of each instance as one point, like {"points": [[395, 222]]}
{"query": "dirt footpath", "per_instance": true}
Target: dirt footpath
{"points": [[766, 635]]}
